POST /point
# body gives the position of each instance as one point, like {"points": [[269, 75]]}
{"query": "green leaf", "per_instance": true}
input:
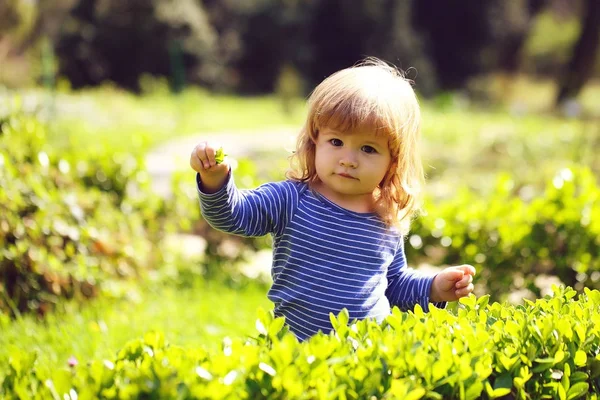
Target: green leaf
{"points": [[260, 327], [220, 155], [468, 301], [579, 376], [483, 301], [580, 358], [543, 364], [578, 390], [62, 380], [562, 394], [474, 390], [415, 394], [559, 356], [504, 381], [344, 317], [500, 393], [276, 326], [333, 320]]}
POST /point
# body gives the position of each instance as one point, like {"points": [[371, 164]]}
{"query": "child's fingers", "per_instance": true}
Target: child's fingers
{"points": [[464, 282], [195, 161], [467, 269], [210, 155], [464, 291], [201, 157], [446, 280]]}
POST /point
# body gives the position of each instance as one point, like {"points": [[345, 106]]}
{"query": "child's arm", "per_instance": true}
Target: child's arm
{"points": [[254, 212], [406, 286]]}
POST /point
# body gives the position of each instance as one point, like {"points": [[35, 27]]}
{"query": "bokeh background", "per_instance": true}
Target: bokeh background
{"points": [[101, 101], [263, 46]]}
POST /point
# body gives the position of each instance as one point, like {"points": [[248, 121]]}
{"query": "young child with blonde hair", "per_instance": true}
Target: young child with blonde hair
{"points": [[338, 222]]}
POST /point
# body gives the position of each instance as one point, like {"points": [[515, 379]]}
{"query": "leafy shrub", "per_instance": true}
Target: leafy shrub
{"points": [[513, 241], [480, 351], [59, 237]]}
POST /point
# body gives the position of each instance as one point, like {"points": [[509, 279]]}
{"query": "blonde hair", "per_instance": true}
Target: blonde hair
{"points": [[373, 96]]}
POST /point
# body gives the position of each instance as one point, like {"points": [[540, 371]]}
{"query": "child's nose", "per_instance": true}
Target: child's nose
{"points": [[348, 161]]}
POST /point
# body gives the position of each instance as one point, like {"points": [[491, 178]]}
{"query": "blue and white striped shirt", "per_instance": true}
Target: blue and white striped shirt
{"points": [[325, 257]]}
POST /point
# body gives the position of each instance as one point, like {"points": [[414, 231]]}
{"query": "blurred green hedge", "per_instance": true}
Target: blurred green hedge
{"points": [[67, 226], [76, 222], [514, 236]]}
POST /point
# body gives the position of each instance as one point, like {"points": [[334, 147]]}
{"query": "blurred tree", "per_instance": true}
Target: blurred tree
{"points": [[192, 35], [510, 25], [258, 37], [314, 38], [9, 15], [48, 19], [511, 37], [469, 38], [23, 25], [245, 46], [119, 40], [343, 32], [455, 33], [403, 45], [582, 63]]}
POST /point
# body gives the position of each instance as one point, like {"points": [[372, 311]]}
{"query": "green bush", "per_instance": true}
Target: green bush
{"points": [[60, 237], [513, 240], [546, 349], [76, 221]]}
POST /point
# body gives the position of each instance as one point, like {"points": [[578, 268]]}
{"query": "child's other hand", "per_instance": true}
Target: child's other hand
{"points": [[212, 174], [452, 283]]}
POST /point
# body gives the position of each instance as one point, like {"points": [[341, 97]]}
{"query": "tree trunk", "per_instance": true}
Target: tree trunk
{"points": [[509, 58], [48, 22], [583, 60]]}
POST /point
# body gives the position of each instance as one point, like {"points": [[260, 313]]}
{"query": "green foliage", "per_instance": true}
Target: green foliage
{"points": [[481, 351], [512, 241], [112, 34], [98, 329], [78, 219], [220, 155], [546, 53], [61, 237]]}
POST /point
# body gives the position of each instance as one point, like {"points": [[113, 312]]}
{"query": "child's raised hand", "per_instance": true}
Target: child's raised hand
{"points": [[452, 283], [208, 160]]}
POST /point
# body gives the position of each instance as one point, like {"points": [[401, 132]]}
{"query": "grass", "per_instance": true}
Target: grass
{"points": [[200, 315], [123, 121]]}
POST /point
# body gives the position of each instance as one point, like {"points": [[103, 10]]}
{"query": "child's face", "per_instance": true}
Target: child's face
{"points": [[351, 165]]}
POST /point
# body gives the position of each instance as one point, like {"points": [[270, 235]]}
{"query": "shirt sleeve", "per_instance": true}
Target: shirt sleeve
{"points": [[255, 212], [406, 286]]}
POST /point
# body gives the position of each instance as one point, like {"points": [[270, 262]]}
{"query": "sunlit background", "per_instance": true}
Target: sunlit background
{"points": [[101, 102]]}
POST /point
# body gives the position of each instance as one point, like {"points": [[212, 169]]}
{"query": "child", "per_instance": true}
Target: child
{"points": [[338, 222]]}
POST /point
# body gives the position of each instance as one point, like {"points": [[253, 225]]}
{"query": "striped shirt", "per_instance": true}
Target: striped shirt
{"points": [[325, 257]]}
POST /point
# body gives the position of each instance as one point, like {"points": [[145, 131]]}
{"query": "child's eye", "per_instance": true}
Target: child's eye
{"points": [[368, 149], [336, 142]]}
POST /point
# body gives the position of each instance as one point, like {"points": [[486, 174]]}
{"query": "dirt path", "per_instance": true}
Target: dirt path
{"points": [[174, 155]]}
